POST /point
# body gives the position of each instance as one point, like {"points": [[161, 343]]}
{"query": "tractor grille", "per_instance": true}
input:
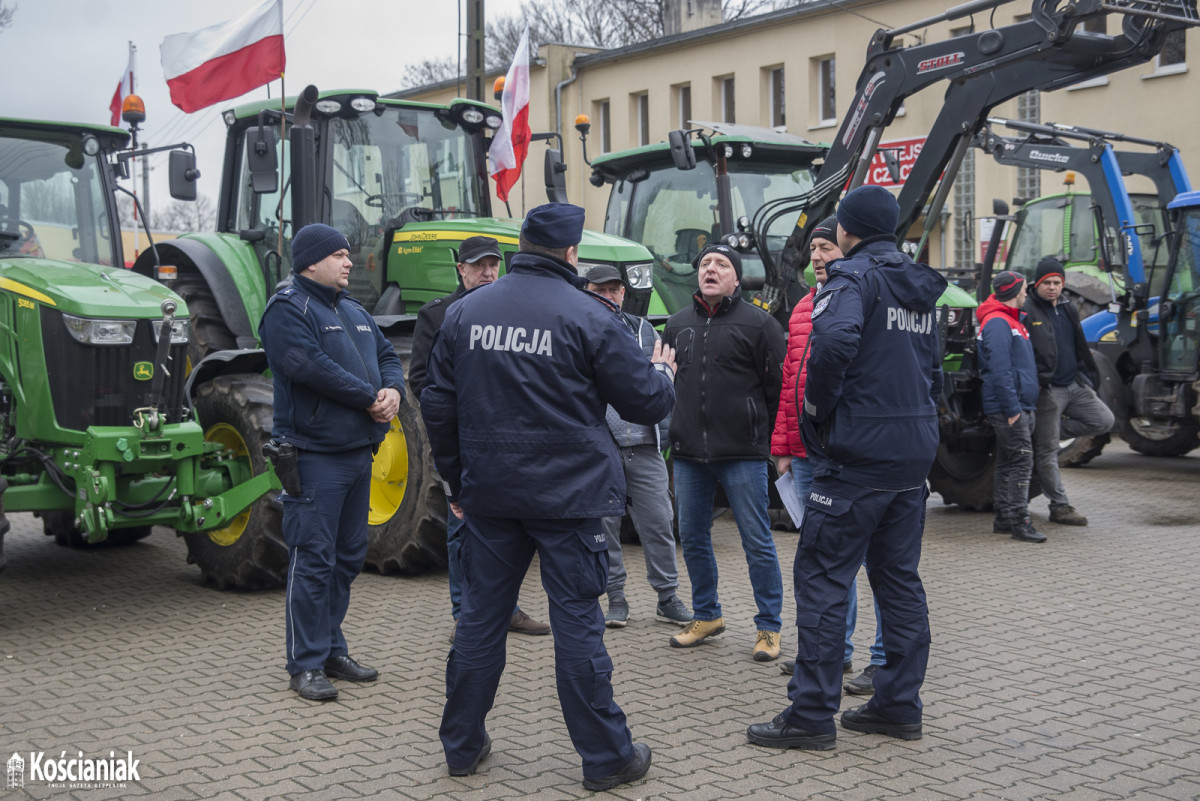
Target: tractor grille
{"points": [[94, 385]]}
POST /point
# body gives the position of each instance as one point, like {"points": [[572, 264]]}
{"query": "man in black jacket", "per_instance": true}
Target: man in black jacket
{"points": [[478, 265], [730, 356], [1067, 403]]}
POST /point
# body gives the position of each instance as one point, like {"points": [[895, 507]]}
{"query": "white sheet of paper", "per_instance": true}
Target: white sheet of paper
{"points": [[787, 493]]}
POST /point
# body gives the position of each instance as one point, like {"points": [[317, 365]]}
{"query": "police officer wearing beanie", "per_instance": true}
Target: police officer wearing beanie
{"points": [[338, 384], [871, 430], [519, 378], [1067, 405]]}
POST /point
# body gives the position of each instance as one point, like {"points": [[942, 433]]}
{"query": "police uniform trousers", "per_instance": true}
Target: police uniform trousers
{"points": [[843, 524], [326, 533], [494, 555]]}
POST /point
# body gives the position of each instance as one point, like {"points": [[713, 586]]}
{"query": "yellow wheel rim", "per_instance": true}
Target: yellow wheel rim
{"points": [[230, 438], [389, 476]]}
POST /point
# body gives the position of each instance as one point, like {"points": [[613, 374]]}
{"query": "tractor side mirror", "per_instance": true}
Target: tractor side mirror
{"points": [[556, 179], [681, 150], [261, 160], [182, 174]]}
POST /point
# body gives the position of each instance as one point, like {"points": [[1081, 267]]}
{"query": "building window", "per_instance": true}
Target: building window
{"points": [[826, 91], [601, 113], [640, 116], [776, 99], [725, 99], [964, 207], [683, 104], [1174, 53], [1029, 179]]}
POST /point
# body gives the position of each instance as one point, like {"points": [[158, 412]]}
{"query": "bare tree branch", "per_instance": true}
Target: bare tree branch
{"points": [[6, 15]]}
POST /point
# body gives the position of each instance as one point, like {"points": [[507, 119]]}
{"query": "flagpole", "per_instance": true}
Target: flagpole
{"points": [[282, 134]]}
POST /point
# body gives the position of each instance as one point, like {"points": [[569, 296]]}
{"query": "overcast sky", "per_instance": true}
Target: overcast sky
{"points": [[62, 59]]}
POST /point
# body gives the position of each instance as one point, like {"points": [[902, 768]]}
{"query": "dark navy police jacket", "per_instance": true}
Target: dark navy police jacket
{"points": [[329, 360], [519, 378], [874, 370]]}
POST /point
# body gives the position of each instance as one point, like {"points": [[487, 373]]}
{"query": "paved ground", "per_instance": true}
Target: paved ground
{"points": [[1065, 671]]}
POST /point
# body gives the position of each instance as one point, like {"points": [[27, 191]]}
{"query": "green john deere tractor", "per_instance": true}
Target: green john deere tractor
{"points": [[99, 433]]}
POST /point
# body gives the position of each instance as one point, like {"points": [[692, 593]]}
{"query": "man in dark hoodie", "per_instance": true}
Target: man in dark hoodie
{"points": [[871, 431], [1068, 405], [1010, 394]]}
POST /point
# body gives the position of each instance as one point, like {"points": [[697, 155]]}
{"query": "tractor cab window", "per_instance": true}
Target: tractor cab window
{"points": [[52, 202], [393, 167], [753, 185], [1181, 331]]}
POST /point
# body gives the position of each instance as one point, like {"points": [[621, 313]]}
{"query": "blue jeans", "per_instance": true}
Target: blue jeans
{"points": [[745, 484], [802, 477]]}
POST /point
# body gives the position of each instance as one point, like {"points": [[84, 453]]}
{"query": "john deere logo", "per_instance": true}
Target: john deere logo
{"points": [[143, 371]]}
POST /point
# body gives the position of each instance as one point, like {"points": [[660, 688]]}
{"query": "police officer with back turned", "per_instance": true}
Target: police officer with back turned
{"points": [[514, 402], [338, 384], [870, 427]]}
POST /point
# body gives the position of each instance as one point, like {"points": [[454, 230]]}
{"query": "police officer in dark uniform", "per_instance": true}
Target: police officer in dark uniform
{"points": [[514, 401], [478, 265], [870, 427], [338, 384]]}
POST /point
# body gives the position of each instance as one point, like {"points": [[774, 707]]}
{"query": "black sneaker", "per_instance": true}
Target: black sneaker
{"points": [[1002, 525], [634, 770], [780, 734], [868, 722], [1024, 531], [863, 683]]}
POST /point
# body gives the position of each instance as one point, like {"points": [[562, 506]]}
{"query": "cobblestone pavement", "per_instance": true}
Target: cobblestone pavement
{"points": [[1065, 670]]}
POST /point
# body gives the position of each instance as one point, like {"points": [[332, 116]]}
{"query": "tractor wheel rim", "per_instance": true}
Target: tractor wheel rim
{"points": [[232, 439], [389, 476]]}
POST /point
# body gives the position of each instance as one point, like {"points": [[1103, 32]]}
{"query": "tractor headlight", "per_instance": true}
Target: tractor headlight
{"points": [[640, 276], [179, 331], [100, 332]]}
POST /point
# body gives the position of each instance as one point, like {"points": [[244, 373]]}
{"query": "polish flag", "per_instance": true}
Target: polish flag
{"points": [[124, 89], [511, 142], [227, 60]]}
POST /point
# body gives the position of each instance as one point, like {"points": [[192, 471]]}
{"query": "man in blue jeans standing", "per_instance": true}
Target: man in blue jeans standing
{"points": [[730, 357]]}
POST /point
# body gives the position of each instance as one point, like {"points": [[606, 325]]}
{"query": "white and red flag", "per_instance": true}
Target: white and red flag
{"points": [[124, 89], [227, 60], [511, 142]]}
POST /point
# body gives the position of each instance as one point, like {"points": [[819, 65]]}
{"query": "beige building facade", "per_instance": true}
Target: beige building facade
{"points": [[796, 70]]}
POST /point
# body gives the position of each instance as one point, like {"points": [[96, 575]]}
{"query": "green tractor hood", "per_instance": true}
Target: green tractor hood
{"points": [[424, 253], [86, 290]]}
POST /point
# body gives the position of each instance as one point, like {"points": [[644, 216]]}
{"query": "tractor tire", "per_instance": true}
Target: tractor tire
{"points": [[249, 553], [1183, 439], [208, 330], [61, 526], [965, 478], [407, 520], [968, 478]]}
